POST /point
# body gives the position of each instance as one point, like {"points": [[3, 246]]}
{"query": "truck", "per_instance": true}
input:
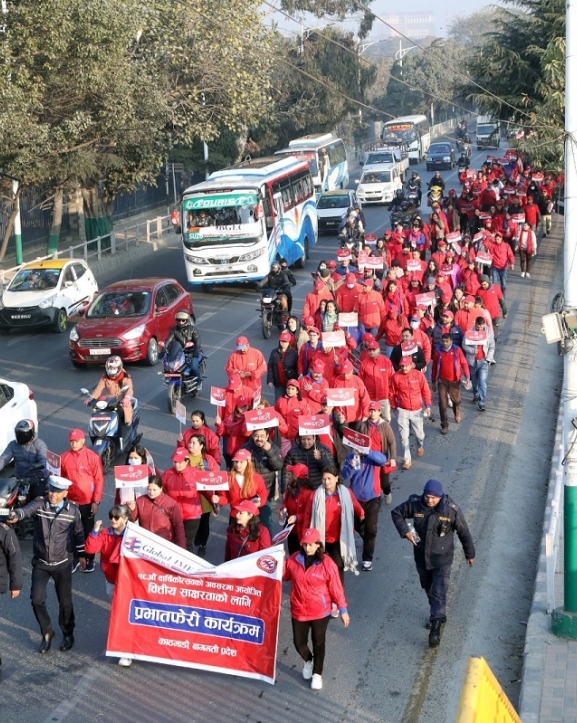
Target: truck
{"points": [[488, 132], [383, 156]]}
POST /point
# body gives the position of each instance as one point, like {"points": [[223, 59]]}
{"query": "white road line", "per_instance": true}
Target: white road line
{"points": [[67, 706]]}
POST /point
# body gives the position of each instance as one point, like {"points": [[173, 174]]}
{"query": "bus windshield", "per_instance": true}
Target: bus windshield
{"points": [[211, 218], [396, 133]]}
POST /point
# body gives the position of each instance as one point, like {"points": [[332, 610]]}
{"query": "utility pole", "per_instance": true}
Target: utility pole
{"points": [[564, 620]]}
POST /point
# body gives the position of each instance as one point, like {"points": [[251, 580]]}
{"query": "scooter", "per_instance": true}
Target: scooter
{"points": [[270, 312], [16, 492], [179, 377], [109, 435]]}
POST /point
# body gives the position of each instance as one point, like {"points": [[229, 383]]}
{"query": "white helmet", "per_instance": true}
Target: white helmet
{"points": [[113, 366]]}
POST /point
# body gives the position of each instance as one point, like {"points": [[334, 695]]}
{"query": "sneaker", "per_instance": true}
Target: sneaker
{"points": [[334, 611], [522, 274], [481, 407], [125, 662], [308, 670], [388, 498], [89, 566], [75, 566], [444, 430], [199, 387], [367, 565], [428, 624], [317, 682], [475, 398], [420, 451], [450, 403], [528, 275]]}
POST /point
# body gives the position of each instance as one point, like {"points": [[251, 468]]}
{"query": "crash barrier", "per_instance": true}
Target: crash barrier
{"points": [[554, 510], [482, 698], [107, 245]]}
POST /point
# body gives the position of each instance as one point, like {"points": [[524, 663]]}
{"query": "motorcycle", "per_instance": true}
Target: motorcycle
{"points": [[109, 435], [435, 195], [178, 373], [413, 196], [18, 491], [270, 312]]}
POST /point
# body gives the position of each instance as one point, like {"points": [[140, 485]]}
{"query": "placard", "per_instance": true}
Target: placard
{"points": [[53, 463], [453, 237], [518, 217], [427, 299], [414, 265], [370, 238], [537, 177], [508, 191], [484, 258], [341, 397], [474, 336], [180, 412], [343, 254], [409, 347], [362, 258], [207, 481], [355, 361], [130, 475], [360, 442], [281, 536], [218, 396], [375, 262], [446, 269], [314, 424], [484, 216], [333, 338], [261, 419], [478, 236], [348, 318]]}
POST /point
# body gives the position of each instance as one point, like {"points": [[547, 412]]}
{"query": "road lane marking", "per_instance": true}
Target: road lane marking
{"points": [[61, 712]]}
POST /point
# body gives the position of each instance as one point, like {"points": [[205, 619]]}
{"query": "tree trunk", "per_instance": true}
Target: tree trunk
{"points": [[56, 224], [97, 217], [10, 225]]}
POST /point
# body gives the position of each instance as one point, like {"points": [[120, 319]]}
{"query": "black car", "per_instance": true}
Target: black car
{"points": [[441, 155]]}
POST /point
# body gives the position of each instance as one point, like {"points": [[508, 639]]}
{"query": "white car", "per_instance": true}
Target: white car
{"points": [[16, 403], [47, 293], [332, 208], [378, 185]]}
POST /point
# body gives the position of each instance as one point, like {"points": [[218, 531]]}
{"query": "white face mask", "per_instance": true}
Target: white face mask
{"points": [[350, 286], [132, 461], [415, 324]]}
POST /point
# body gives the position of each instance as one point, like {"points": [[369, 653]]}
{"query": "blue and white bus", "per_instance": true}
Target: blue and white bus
{"points": [[327, 159], [241, 219], [412, 130]]}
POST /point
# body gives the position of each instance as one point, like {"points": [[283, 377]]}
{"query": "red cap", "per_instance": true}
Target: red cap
{"points": [[241, 342], [318, 366], [313, 330], [375, 405], [179, 455], [285, 336], [293, 383], [242, 401], [372, 344], [469, 299], [76, 435], [346, 367], [447, 312], [319, 285], [308, 321], [310, 536], [445, 298], [299, 470], [241, 455], [441, 242], [405, 361], [368, 282], [324, 399], [234, 381], [367, 336], [332, 265], [350, 278], [247, 506]]}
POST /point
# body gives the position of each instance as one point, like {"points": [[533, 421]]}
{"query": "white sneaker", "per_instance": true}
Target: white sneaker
{"points": [[125, 662], [308, 670], [522, 274], [317, 682], [528, 275], [388, 498], [334, 611]]}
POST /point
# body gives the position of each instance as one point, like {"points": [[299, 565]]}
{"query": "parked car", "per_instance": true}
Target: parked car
{"points": [[332, 208], [128, 318], [16, 403], [441, 155], [47, 294]]}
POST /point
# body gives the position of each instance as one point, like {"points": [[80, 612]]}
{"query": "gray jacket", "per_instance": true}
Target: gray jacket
{"points": [[488, 347]]}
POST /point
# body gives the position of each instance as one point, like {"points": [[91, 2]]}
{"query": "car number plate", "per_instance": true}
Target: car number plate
{"points": [[21, 316], [99, 352], [5, 511]]}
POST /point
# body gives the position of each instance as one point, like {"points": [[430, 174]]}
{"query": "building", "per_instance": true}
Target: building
{"points": [[413, 25]]}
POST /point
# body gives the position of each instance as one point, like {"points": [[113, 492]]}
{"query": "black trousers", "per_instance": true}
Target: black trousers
{"points": [[201, 537], [369, 528], [87, 524], [293, 543], [318, 630], [190, 530], [333, 550], [435, 583], [62, 576]]}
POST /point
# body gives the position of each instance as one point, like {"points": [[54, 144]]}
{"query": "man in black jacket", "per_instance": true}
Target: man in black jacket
{"points": [[309, 451], [186, 334], [10, 562], [282, 365], [57, 528], [267, 461], [436, 518], [418, 355]]}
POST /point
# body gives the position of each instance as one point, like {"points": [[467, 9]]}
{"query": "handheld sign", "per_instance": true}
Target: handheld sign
{"points": [[362, 258], [218, 396], [370, 238], [341, 397], [260, 419], [180, 412], [446, 269], [374, 262], [281, 536], [478, 236], [333, 338], [360, 442], [209, 481], [426, 299], [53, 463], [483, 257], [314, 424], [409, 347], [475, 337], [453, 237], [355, 361], [518, 217], [414, 265], [127, 475], [349, 318]]}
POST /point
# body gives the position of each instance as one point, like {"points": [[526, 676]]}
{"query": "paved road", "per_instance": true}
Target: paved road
{"points": [[380, 669]]}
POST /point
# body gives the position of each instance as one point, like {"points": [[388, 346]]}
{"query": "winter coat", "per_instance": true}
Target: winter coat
{"points": [[314, 589], [84, 470], [288, 360], [10, 560], [266, 462], [57, 534], [161, 516], [298, 455], [238, 545], [107, 543], [365, 481], [181, 486]]}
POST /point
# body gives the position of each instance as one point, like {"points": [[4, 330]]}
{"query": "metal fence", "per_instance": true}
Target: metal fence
{"points": [[554, 509]]}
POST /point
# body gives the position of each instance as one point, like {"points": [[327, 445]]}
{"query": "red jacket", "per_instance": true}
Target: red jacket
{"points": [[314, 589], [532, 214], [376, 375], [449, 365], [424, 342], [181, 486], [238, 545], [212, 441], [409, 391], [161, 516], [371, 308], [361, 409], [84, 470], [348, 299], [291, 408], [233, 429], [297, 505], [470, 279], [107, 543], [391, 330], [491, 298], [333, 514], [231, 397], [234, 493], [251, 361], [318, 390], [313, 300], [307, 355], [501, 253]]}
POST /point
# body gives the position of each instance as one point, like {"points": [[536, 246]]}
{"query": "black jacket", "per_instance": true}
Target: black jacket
{"points": [[418, 358], [184, 334], [436, 526], [266, 463], [289, 365], [10, 560], [56, 534], [298, 455]]}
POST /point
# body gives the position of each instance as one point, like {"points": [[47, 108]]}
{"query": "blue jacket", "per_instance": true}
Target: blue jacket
{"points": [[365, 482]]}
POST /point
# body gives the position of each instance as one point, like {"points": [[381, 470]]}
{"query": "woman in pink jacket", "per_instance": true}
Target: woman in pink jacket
{"points": [[315, 586]]}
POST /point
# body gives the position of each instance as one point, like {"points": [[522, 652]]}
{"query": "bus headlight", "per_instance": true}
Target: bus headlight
{"points": [[196, 260], [252, 255]]}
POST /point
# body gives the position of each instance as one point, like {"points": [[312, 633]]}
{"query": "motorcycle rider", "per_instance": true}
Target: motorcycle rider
{"points": [[352, 227], [278, 280], [115, 377], [29, 455], [415, 184], [437, 180], [186, 333], [396, 204]]}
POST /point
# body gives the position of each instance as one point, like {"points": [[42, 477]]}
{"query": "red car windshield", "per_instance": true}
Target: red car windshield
{"points": [[120, 304]]}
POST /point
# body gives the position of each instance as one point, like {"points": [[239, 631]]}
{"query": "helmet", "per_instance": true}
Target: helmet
{"points": [[180, 316], [399, 192], [24, 431], [113, 366], [275, 267]]}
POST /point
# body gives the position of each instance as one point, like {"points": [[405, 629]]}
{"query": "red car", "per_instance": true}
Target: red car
{"points": [[128, 318]]}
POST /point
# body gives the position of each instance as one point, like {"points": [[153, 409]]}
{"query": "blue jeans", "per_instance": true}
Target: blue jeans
{"points": [[195, 367], [479, 373], [499, 276]]}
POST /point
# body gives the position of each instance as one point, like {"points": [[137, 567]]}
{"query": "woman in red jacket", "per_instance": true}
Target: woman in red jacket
{"points": [[291, 406], [295, 502], [157, 512], [315, 586], [243, 484], [198, 426], [246, 535], [180, 484], [200, 459]]}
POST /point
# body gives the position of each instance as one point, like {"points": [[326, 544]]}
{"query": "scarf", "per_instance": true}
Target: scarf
{"points": [[347, 536]]}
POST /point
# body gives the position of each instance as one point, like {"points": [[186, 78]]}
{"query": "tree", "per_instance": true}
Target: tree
{"points": [[470, 31]]}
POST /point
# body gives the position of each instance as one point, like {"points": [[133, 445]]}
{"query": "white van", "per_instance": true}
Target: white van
{"points": [[378, 184], [488, 132]]}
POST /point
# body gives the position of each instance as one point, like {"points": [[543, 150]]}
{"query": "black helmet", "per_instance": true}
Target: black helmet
{"points": [[24, 431], [275, 267]]}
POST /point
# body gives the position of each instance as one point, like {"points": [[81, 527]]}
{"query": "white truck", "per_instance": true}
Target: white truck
{"points": [[488, 132], [384, 156]]}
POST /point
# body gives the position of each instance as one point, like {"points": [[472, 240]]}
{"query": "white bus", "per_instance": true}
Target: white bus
{"points": [[414, 130], [327, 159], [241, 219]]}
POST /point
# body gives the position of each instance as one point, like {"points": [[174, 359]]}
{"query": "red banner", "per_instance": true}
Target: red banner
{"points": [[427, 299], [475, 337], [218, 396], [314, 424], [356, 440], [172, 607], [127, 475], [341, 397], [333, 338]]}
